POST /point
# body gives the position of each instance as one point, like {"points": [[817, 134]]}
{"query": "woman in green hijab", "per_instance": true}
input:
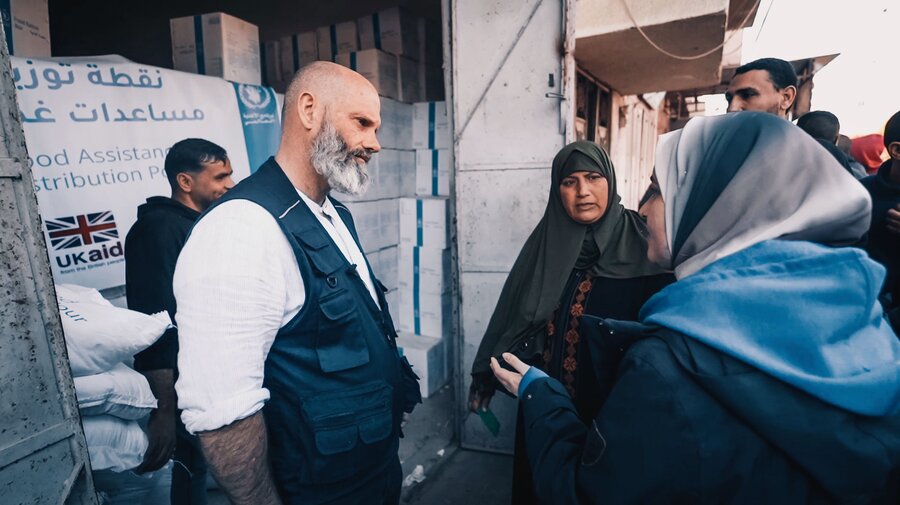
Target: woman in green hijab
{"points": [[588, 255]]}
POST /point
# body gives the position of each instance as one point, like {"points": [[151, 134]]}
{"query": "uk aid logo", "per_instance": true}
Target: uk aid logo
{"points": [[84, 241]]}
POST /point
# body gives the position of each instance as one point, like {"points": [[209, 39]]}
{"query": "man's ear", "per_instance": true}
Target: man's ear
{"points": [[307, 110], [788, 95], [185, 182], [894, 150]]}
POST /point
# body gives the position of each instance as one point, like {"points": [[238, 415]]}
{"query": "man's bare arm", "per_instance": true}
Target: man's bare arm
{"points": [[161, 427], [238, 457]]}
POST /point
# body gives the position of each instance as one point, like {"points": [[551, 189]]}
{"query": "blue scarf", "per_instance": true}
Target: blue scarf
{"points": [[803, 313]]}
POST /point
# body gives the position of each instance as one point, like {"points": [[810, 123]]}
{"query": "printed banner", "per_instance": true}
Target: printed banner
{"points": [[97, 133]]}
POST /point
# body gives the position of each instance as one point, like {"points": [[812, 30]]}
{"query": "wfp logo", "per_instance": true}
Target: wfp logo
{"points": [[253, 97], [83, 231]]}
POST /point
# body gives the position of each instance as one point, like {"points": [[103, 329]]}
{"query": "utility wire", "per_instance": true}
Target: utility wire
{"points": [[763, 24], [696, 56]]}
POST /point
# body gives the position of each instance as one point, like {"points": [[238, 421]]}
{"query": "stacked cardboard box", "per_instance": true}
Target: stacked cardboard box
{"points": [[389, 48], [27, 25], [429, 357], [430, 60], [217, 44], [270, 62], [393, 30], [431, 128], [379, 67], [396, 125], [295, 51], [337, 39], [424, 283], [433, 172]]}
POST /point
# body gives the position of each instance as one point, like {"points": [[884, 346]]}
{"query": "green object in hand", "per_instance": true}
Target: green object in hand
{"points": [[490, 421]]}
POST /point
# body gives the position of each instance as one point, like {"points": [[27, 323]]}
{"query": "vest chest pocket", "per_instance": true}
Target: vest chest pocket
{"points": [[340, 343], [351, 430]]}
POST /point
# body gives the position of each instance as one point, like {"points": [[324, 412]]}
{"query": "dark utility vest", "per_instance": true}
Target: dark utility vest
{"points": [[338, 386]]}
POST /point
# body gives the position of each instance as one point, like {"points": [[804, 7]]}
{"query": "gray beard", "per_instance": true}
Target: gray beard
{"points": [[332, 159]]}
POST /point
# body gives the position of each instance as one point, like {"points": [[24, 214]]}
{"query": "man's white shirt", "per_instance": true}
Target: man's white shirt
{"points": [[236, 284]]}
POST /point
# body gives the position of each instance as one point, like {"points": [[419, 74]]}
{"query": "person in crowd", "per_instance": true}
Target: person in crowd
{"points": [[869, 151], [884, 236], [821, 125], [199, 173], [766, 373], [289, 368], [586, 256], [844, 144], [826, 128], [765, 85]]}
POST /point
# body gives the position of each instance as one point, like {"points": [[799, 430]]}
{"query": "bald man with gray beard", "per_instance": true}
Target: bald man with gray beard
{"points": [[289, 370]]}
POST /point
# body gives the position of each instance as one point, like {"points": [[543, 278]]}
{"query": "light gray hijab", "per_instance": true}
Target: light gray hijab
{"points": [[732, 181]]}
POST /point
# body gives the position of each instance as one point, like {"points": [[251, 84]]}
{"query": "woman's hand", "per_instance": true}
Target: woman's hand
{"points": [[510, 380], [479, 399]]}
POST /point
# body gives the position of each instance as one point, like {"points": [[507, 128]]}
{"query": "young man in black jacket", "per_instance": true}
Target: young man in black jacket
{"points": [[884, 235], [199, 172]]}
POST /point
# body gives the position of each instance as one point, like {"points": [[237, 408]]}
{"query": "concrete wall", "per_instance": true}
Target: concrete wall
{"points": [[610, 48], [597, 17], [43, 455], [503, 156]]}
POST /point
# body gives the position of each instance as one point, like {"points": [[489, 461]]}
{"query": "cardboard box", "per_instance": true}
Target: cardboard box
{"points": [[389, 219], [366, 218], [408, 79], [379, 67], [424, 270], [393, 300], [431, 42], [394, 30], [217, 44], [391, 175], [431, 57], [429, 359], [27, 26], [336, 39], [297, 51], [431, 82], [433, 172], [424, 314], [388, 262], [270, 61], [430, 128], [396, 125], [396, 171], [424, 223]]}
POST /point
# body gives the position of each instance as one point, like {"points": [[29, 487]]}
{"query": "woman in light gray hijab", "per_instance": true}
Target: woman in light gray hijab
{"points": [[767, 373]]}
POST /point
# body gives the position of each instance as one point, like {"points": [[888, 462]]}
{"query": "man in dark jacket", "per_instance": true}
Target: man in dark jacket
{"points": [[884, 235], [199, 172]]}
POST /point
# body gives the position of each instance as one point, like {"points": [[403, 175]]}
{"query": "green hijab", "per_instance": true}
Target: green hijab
{"points": [[614, 247]]}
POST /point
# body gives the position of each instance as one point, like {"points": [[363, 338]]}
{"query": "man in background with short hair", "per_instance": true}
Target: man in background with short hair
{"points": [[765, 85], [199, 172], [884, 234], [826, 128]]}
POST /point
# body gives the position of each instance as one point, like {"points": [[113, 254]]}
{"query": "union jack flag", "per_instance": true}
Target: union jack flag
{"points": [[82, 230]]}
